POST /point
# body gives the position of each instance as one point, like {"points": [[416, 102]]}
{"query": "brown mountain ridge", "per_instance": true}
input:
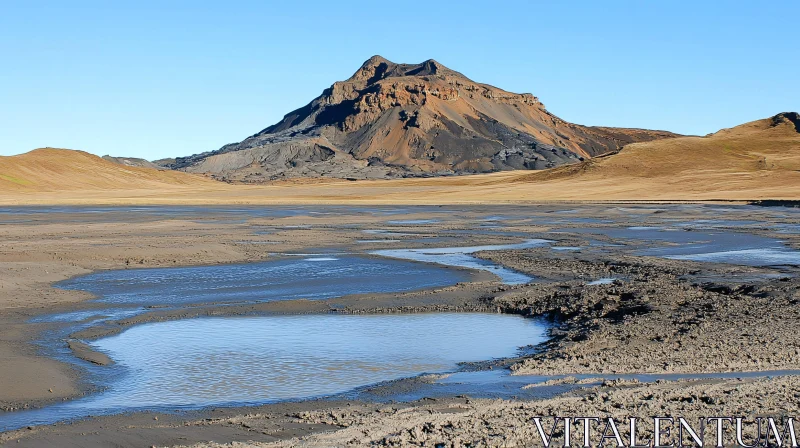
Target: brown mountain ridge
{"points": [[410, 120]]}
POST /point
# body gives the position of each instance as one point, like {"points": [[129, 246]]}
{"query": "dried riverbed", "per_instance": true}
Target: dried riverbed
{"points": [[648, 314]]}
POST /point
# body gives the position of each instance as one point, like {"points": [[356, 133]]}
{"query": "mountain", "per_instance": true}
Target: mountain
{"points": [[407, 120], [55, 170]]}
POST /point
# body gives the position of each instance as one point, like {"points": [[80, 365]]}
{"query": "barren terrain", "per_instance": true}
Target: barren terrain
{"points": [[660, 316]]}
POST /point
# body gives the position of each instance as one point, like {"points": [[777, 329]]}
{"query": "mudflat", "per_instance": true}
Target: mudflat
{"points": [[614, 308]]}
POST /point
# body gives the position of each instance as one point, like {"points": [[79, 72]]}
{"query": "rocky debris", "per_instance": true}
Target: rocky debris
{"points": [[500, 423], [415, 120], [656, 320]]}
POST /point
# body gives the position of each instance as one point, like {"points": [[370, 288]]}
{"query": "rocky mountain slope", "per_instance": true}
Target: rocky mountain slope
{"points": [[408, 120]]}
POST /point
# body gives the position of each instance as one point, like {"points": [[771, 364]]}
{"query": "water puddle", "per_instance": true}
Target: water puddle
{"points": [[247, 360], [791, 229], [461, 257], [91, 315], [386, 232], [319, 276], [603, 281], [193, 363], [403, 222], [712, 246], [501, 384], [750, 257], [717, 223], [575, 220]]}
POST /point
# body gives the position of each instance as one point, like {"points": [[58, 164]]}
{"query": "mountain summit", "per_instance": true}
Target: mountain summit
{"points": [[403, 120]]}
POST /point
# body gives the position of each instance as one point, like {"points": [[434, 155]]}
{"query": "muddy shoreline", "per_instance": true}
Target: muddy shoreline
{"points": [[659, 315]]}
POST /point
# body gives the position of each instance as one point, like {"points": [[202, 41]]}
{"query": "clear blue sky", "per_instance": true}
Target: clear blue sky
{"points": [[168, 78]]}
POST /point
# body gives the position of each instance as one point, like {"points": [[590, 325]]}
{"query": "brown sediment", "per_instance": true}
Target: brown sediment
{"points": [[661, 316], [86, 353], [28, 379]]}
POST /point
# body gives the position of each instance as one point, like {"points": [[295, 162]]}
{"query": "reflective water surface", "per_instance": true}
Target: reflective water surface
{"points": [[314, 277], [259, 359], [247, 360], [719, 246], [461, 257]]}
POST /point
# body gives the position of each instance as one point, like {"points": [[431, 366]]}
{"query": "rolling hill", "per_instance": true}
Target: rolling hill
{"points": [[759, 158], [53, 170]]}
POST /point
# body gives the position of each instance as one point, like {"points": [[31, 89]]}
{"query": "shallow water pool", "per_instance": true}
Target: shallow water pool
{"points": [[462, 257], [315, 277], [188, 364], [709, 246]]}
